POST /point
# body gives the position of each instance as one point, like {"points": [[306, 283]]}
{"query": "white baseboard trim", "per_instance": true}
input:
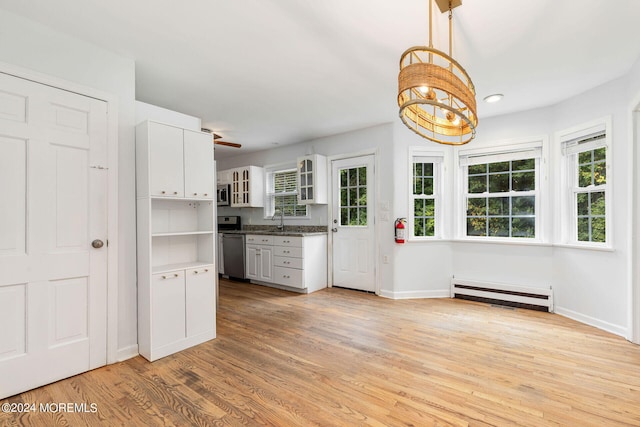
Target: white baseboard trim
{"points": [[441, 293], [127, 353], [591, 321]]}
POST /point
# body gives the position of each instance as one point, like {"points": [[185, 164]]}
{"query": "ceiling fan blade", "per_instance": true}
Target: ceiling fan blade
{"points": [[228, 144]]}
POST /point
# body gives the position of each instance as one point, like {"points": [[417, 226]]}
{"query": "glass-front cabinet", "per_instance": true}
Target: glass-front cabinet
{"points": [[312, 179]]}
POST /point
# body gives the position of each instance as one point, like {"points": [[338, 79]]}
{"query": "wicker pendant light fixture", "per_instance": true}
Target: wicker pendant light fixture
{"points": [[436, 96]]}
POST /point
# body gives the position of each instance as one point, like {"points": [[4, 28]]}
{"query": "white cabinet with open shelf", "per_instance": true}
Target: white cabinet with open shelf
{"points": [[176, 239]]}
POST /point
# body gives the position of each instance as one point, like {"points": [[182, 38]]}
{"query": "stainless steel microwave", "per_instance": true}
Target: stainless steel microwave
{"points": [[223, 194]]}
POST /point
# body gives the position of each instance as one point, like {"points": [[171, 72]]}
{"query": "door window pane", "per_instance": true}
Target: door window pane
{"points": [[353, 197]]}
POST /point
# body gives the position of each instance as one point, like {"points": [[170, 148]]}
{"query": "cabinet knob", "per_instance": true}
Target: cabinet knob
{"points": [[175, 275], [195, 271], [195, 194], [206, 194], [206, 270], [175, 192], [164, 277], [163, 192]]}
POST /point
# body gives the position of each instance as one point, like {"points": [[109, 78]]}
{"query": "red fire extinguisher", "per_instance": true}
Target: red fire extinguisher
{"points": [[400, 230]]}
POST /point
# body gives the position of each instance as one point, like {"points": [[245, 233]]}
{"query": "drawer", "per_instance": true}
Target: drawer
{"points": [[289, 262], [287, 241], [289, 277], [258, 239], [287, 251]]}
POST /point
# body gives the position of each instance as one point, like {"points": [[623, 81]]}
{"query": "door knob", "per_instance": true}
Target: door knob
{"points": [[334, 229], [97, 243]]}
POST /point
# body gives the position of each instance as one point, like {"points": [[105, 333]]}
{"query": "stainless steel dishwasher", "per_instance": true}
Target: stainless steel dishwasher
{"points": [[233, 249]]}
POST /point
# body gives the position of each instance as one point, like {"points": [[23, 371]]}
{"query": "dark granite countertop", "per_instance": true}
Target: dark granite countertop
{"points": [[266, 230]]}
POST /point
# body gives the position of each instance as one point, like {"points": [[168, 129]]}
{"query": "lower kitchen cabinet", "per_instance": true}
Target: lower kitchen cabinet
{"points": [[182, 311], [259, 258], [293, 261]]}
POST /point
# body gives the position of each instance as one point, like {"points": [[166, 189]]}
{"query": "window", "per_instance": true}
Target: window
{"points": [[282, 194], [501, 194], [424, 197], [586, 197], [353, 196]]}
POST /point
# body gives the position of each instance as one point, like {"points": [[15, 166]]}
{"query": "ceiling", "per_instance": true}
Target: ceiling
{"points": [[272, 72]]}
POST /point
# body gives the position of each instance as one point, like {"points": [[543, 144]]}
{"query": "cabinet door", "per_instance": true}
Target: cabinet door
{"points": [[165, 161], [198, 160], [200, 300], [252, 254], [266, 263], [305, 180], [167, 308]]}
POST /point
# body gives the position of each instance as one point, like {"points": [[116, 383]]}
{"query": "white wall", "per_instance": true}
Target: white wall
{"points": [[35, 47], [593, 286]]}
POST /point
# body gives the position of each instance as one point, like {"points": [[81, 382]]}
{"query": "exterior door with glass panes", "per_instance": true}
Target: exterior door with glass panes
{"points": [[352, 223]]}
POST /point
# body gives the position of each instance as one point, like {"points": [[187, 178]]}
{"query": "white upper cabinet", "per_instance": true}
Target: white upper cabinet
{"points": [[247, 187], [198, 155], [166, 157], [168, 149], [312, 180]]}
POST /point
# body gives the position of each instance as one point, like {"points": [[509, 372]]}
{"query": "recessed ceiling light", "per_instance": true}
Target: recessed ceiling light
{"points": [[493, 98]]}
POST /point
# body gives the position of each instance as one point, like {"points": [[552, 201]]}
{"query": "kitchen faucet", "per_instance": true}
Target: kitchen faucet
{"points": [[281, 225]]}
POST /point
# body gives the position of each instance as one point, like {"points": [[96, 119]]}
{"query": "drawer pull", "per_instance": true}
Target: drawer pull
{"points": [[206, 270], [206, 194], [175, 192], [286, 252], [163, 192], [195, 194], [195, 271]]}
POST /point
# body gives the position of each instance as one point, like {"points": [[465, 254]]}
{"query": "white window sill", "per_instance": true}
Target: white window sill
{"points": [[601, 248], [518, 242], [515, 243]]}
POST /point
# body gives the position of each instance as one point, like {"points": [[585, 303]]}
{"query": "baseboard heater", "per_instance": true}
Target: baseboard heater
{"points": [[503, 294]]}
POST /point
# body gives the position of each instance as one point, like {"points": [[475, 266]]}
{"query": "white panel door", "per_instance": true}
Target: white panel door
{"points": [[53, 289], [198, 153], [352, 223]]}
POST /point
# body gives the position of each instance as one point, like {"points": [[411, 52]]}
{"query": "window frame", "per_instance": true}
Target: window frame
{"points": [[437, 158], [270, 194], [511, 150], [570, 148]]}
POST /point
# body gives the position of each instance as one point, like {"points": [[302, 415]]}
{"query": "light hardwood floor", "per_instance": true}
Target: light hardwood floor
{"points": [[346, 358]]}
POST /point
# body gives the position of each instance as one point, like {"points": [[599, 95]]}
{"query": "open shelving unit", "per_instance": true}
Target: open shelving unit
{"points": [[176, 239]]}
